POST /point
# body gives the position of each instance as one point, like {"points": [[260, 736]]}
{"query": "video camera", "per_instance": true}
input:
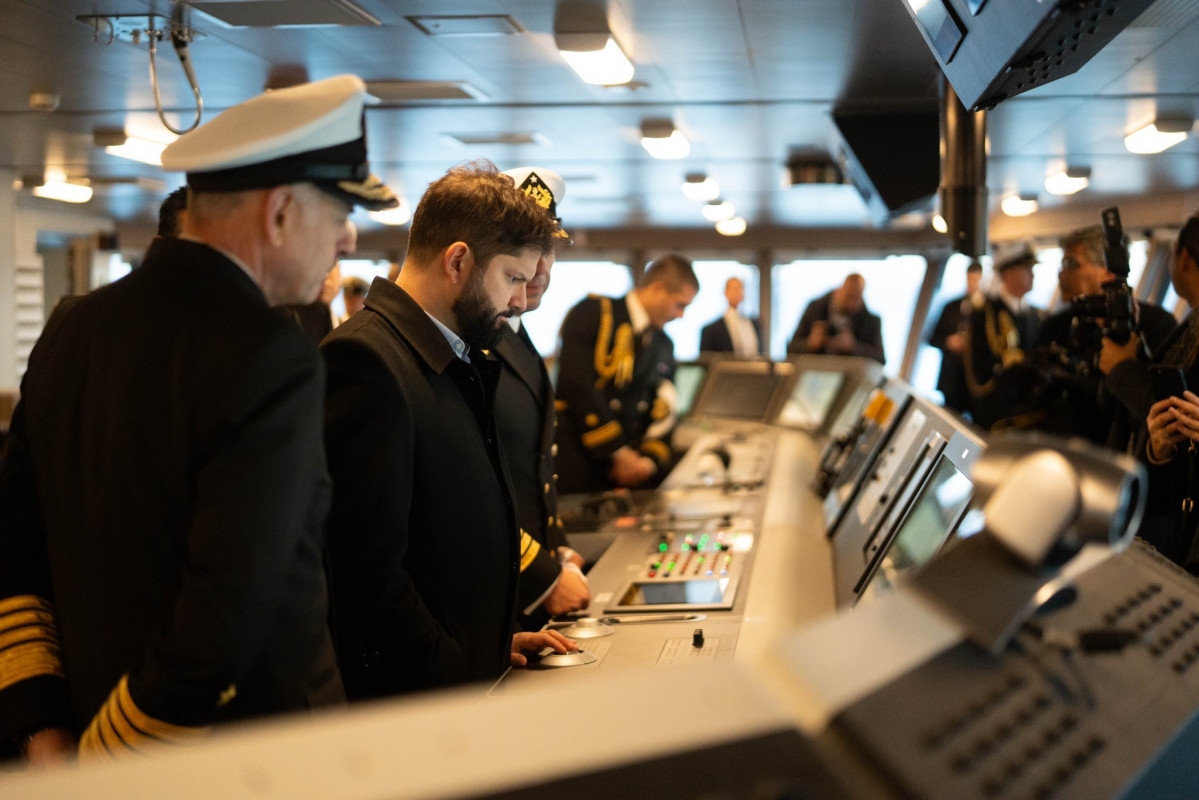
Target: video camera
{"points": [[1115, 305]]}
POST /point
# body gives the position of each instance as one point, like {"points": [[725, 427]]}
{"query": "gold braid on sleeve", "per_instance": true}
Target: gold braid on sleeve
{"points": [[614, 365], [1002, 340]]}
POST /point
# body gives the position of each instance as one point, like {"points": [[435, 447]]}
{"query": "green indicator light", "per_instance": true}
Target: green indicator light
{"points": [[662, 547]]}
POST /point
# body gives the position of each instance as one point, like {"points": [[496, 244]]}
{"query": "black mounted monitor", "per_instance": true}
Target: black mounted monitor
{"points": [[991, 51], [741, 390]]}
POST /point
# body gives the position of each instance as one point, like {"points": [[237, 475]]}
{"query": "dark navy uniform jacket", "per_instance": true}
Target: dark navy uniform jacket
{"points": [[162, 499]]}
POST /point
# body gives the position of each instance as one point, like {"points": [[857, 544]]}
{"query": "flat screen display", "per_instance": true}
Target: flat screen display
{"points": [[811, 399], [741, 395], [687, 380], [928, 524], [661, 593]]}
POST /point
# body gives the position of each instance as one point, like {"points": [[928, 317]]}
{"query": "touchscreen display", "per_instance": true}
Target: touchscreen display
{"points": [[926, 527], [811, 399], [660, 593], [687, 380]]}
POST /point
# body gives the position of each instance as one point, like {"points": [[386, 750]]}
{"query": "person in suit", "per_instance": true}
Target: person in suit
{"points": [[423, 537], [163, 493], [615, 396], [551, 575], [839, 323], [1168, 442], [732, 333], [947, 336], [1000, 330]]}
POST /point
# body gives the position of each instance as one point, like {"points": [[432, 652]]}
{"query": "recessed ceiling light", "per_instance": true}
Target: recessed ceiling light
{"points": [[1068, 181], [1016, 206], [662, 140], [64, 191], [700, 187], [1161, 134], [717, 211], [731, 227], [939, 224]]}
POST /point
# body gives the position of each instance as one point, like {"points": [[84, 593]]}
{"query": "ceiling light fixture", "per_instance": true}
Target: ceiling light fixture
{"points": [[718, 210], [115, 142], [1161, 134], [584, 39], [662, 140], [699, 187], [731, 227], [1016, 206], [1070, 180], [393, 216], [939, 224], [63, 191]]}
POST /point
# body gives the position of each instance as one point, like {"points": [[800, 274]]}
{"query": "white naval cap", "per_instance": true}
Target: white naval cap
{"points": [[313, 132], [543, 185], [1015, 254]]}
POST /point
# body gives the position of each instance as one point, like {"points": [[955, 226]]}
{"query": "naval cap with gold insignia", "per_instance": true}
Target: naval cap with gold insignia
{"points": [[310, 133], [543, 185]]}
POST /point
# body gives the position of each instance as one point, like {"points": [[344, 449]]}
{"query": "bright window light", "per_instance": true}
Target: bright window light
{"points": [[1063, 182], [135, 149], [715, 212], [606, 67], [1157, 136], [669, 147], [731, 227], [63, 191], [1016, 206]]}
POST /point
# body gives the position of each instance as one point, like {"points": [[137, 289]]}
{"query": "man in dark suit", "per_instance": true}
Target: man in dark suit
{"points": [[551, 576], [163, 493], [840, 324], [732, 333], [614, 382], [424, 543], [948, 337]]}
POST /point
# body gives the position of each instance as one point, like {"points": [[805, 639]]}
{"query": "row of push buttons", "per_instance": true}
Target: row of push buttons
{"points": [[691, 564]]}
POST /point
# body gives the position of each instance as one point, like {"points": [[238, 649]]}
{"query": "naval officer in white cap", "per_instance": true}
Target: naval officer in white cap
{"points": [[551, 577], [163, 496]]}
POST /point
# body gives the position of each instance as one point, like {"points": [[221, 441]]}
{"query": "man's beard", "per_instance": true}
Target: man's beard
{"points": [[478, 321]]}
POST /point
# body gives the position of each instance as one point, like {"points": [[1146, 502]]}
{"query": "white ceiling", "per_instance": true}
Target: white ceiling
{"points": [[747, 80]]}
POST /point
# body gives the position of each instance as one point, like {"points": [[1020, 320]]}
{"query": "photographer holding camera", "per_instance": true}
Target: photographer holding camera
{"points": [[1100, 329]]}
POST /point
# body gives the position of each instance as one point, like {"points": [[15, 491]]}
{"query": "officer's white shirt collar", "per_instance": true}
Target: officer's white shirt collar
{"points": [[1016, 305], [461, 348], [514, 323], [638, 316]]}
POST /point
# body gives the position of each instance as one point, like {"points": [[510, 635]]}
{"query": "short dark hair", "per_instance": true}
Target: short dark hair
{"points": [[673, 270], [1188, 237], [974, 267], [1089, 238], [169, 224], [477, 204]]}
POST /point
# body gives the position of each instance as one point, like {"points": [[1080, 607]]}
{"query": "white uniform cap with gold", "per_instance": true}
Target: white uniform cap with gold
{"points": [[310, 133], [543, 185], [1017, 254]]}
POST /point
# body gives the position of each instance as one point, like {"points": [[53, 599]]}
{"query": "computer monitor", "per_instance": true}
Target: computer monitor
{"points": [[826, 394], [743, 390], [930, 519], [688, 378]]}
